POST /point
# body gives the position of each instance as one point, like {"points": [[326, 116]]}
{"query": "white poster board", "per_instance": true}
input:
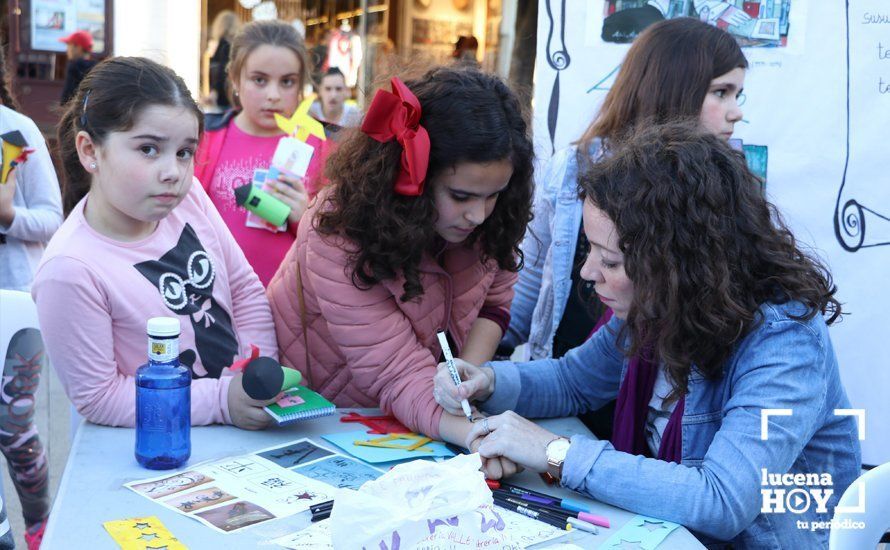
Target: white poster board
{"points": [[52, 20], [817, 117]]}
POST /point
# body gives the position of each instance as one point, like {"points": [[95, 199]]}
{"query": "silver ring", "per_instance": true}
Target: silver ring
{"points": [[485, 425]]}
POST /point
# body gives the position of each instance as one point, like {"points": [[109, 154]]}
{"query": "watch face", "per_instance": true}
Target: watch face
{"points": [[557, 450]]}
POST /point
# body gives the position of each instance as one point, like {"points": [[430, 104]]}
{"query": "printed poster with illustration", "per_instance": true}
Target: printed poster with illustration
{"points": [[237, 492], [815, 128]]}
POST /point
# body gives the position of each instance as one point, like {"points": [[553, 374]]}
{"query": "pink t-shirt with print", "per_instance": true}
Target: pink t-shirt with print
{"points": [[95, 294], [240, 155]]}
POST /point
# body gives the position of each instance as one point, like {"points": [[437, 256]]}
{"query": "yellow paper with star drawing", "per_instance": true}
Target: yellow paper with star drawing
{"points": [[142, 534]]}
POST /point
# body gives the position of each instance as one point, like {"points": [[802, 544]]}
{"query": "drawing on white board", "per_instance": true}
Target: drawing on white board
{"points": [[754, 23], [558, 59], [853, 219]]}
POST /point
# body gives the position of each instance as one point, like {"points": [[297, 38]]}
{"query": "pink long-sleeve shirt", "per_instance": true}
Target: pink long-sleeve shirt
{"points": [[94, 296]]}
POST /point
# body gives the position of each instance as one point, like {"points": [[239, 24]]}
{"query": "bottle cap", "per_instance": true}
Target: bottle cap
{"points": [[163, 326]]}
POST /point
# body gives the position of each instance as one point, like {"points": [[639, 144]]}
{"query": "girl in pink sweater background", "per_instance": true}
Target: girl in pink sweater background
{"points": [[418, 232], [142, 240]]}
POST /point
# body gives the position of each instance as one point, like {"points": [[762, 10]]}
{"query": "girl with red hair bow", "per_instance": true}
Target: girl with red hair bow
{"points": [[418, 233]]}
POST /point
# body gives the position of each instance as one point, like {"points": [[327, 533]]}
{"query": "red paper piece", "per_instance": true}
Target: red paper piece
{"points": [[241, 363], [379, 424], [23, 156]]}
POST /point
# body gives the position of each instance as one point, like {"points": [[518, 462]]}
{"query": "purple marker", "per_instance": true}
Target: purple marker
{"points": [[551, 508], [565, 503]]}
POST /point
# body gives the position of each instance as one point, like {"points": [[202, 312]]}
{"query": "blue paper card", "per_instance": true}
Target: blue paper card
{"points": [[339, 471], [345, 440], [641, 532]]}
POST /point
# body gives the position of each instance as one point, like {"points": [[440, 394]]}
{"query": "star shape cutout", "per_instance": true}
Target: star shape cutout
{"points": [[652, 525], [142, 525], [628, 545], [148, 536], [305, 496]]}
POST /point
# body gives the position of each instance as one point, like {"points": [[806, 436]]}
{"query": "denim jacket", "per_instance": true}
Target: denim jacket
{"points": [[783, 363], [549, 249]]}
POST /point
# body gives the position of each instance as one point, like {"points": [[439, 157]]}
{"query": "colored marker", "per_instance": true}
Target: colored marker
{"points": [[321, 505], [565, 503], [322, 510], [581, 520], [449, 360], [583, 526], [540, 516]]}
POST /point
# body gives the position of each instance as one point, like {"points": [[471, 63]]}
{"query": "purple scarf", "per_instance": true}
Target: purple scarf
{"points": [[632, 408]]}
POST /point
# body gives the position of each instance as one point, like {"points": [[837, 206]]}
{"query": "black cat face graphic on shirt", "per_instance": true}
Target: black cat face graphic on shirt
{"points": [[184, 278]]}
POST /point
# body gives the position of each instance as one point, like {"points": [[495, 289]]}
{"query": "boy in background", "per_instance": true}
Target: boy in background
{"points": [[80, 47], [331, 104]]}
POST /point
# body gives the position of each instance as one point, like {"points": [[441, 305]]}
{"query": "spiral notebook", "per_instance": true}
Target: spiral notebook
{"points": [[299, 403]]}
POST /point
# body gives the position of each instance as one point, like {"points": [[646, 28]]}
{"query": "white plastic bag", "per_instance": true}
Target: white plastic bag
{"points": [[421, 505]]}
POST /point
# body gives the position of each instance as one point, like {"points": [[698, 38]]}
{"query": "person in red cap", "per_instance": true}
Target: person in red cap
{"points": [[80, 46]]}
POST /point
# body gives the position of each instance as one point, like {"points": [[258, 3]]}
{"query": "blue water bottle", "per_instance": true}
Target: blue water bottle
{"points": [[163, 400]]}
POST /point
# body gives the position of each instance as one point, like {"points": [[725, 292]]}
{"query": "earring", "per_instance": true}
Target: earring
{"points": [[92, 166]]}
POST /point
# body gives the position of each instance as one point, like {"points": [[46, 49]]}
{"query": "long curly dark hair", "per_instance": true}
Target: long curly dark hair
{"points": [[702, 246], [470, 117]]}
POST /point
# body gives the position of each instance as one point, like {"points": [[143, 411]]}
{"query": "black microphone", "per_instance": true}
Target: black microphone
{"points": [[264, 378]]}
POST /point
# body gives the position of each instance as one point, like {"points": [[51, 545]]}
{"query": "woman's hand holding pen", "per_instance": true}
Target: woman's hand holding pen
{"points": [[477, 384], [291, 191], [512, 437]]}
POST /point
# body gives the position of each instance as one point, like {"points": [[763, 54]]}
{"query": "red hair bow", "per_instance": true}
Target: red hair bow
{"points": [[396, 115]]}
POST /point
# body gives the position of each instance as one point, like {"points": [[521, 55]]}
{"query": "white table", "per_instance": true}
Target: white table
{"points": [[101, 461]]}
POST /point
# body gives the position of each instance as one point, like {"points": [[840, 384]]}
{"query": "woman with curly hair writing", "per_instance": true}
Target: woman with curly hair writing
{"points": [[418, 233], [719, 314], [678, 68]]}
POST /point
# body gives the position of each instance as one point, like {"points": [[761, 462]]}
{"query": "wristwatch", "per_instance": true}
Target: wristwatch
{"points": [[556, 455]]}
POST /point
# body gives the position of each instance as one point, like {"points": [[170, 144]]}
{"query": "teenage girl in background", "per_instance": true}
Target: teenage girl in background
{"points": [[268, 69], [30, 212], [419, 233], [676, 69], [142, 240]]}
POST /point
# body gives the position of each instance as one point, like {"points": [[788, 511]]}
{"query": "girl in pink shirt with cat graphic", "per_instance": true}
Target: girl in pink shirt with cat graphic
{"points": [[141, 240]]}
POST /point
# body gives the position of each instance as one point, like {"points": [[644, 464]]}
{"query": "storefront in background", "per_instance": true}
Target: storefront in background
{"points": [[166, 31], [36, 59], [369, 39]]}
